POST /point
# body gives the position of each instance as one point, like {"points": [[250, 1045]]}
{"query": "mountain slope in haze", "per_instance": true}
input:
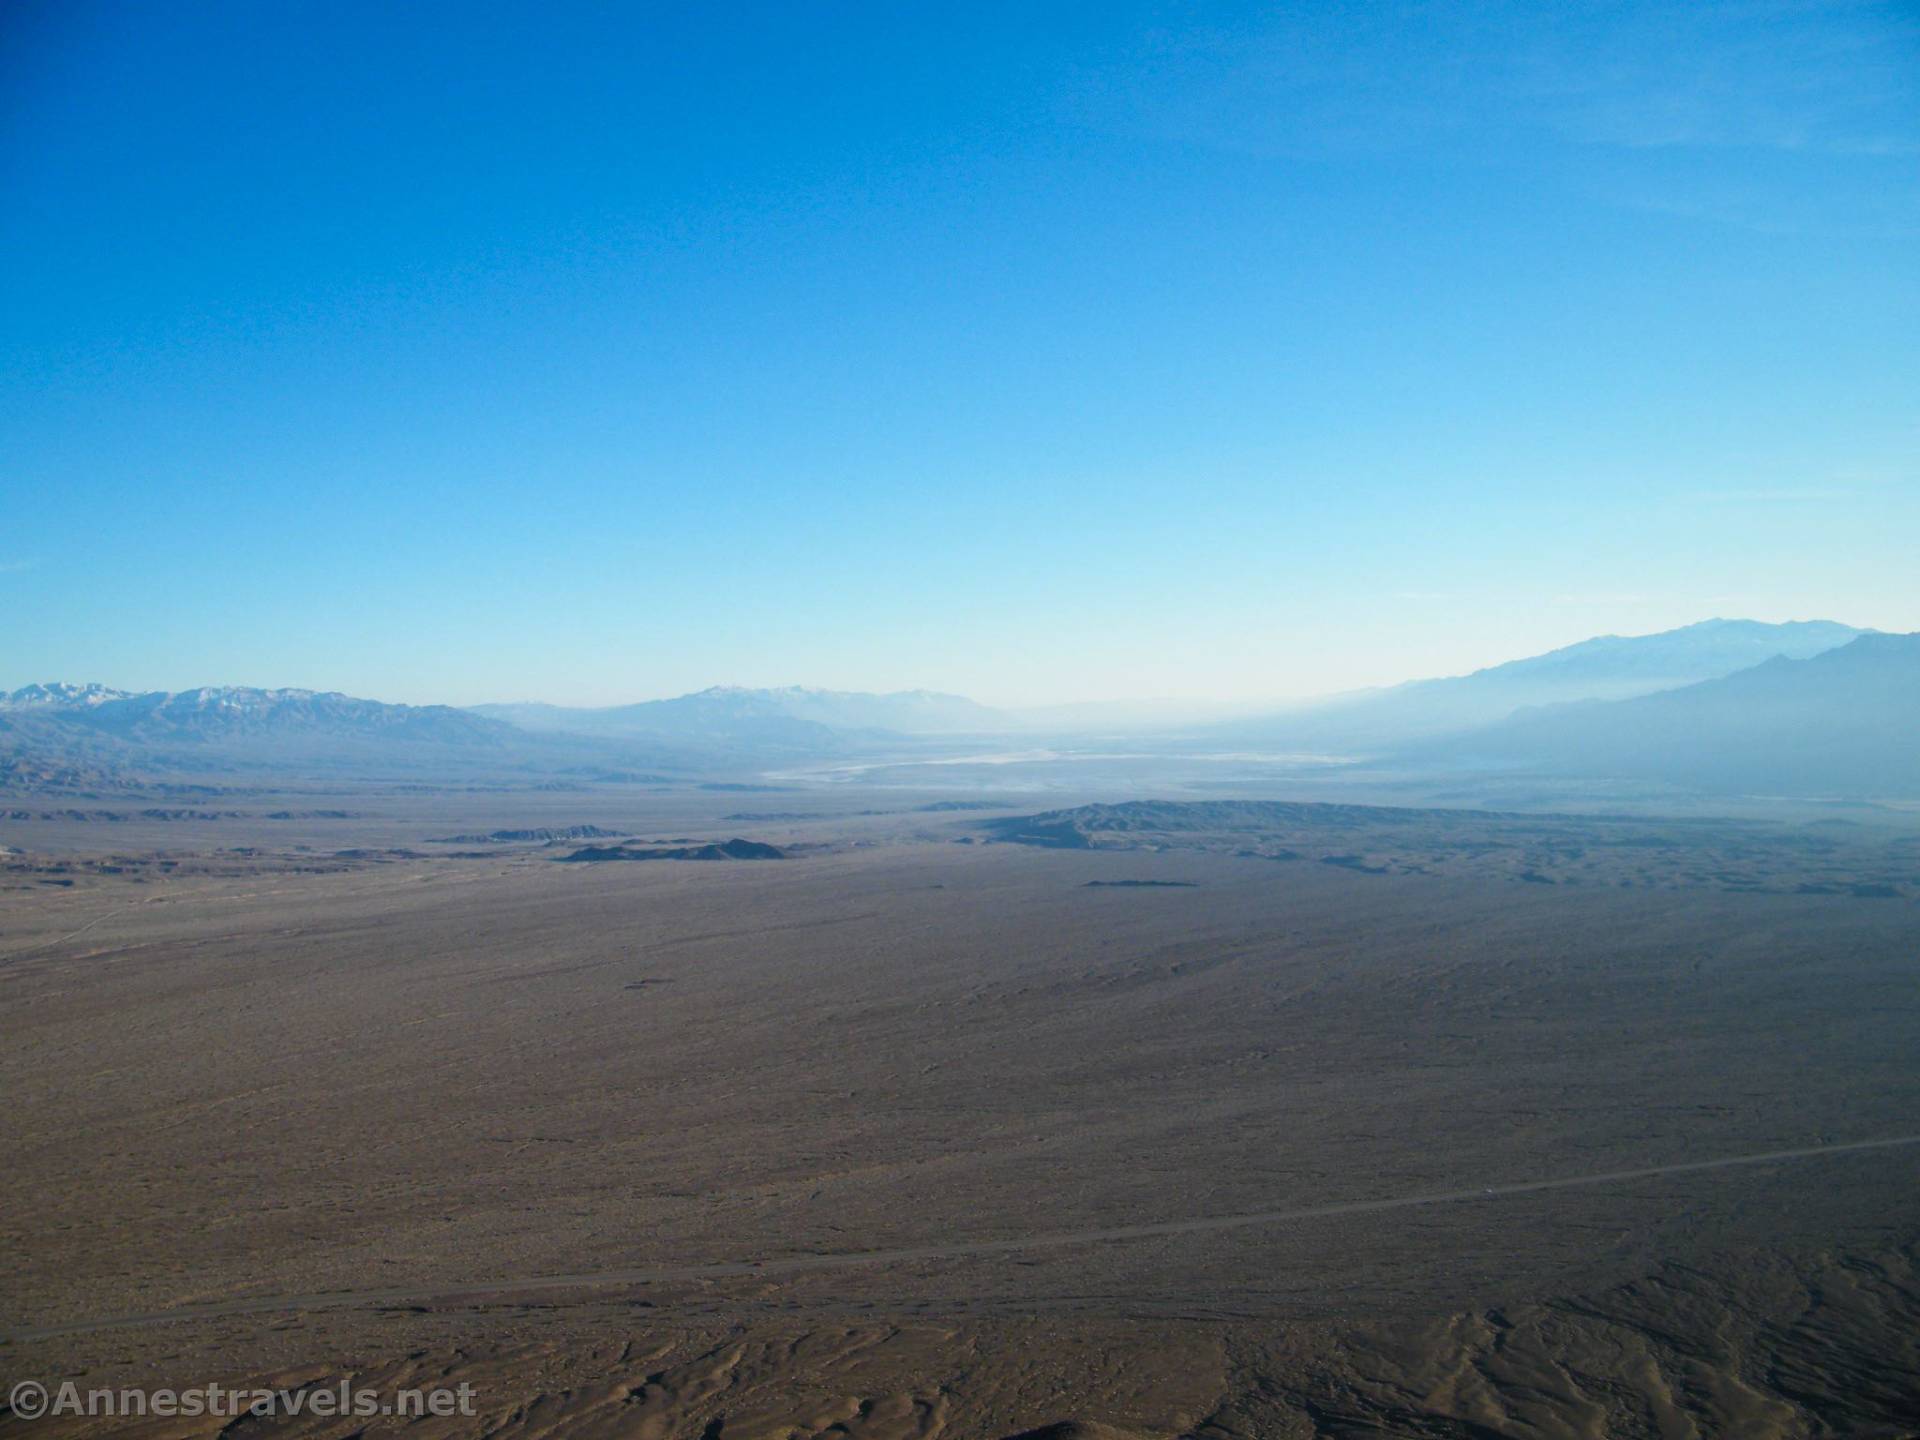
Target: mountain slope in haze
{"points": [[215, 713], [1608, 667], [60, 735], [908, 712], [59, 694], [792, 716], [93, 732], [1844, 722], [1614, 667], [1117, 717]]}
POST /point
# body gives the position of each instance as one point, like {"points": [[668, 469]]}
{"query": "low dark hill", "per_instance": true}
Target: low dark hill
{"points": [[1081, 827], [734, 849], [542, 835], [1846, 722]]}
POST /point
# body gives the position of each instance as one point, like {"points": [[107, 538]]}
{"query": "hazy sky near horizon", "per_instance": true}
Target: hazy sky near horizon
{"points": [[1037, 352]]}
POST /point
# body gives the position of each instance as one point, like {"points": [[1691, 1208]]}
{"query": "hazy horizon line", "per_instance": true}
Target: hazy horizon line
{"points": [[1191, 703]]}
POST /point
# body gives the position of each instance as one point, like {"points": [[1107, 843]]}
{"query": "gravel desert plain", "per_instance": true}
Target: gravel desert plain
{"points": [[1078, 721], [920, 1117]]}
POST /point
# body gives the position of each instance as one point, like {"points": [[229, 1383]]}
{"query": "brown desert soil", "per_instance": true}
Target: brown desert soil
{"points": [[894, 1136]]}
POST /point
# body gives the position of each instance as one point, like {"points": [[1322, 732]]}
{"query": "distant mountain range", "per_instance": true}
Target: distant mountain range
{"points": [[230, 712], [792, 717], [1806, 708], [1610, 667], [59, 694], [1614, 667], [1843, 722], [68, 735]]}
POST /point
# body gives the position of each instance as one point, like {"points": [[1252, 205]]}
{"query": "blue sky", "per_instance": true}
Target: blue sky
{"points": [[590, 353]]}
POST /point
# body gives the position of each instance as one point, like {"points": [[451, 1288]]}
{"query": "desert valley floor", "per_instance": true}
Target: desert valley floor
{"points": [[944, 1124]]}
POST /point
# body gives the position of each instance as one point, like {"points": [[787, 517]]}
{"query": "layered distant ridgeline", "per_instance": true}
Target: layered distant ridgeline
{"points": [[1610, 667], [1811, 708], [1807, 709], [223, 712], [1845, 722], [61, 734], [791, 716]]}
